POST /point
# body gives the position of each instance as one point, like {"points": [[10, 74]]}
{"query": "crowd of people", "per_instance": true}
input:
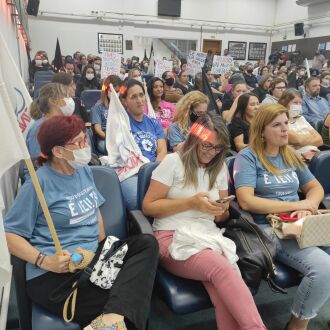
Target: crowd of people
{"points": [[274, 117]]}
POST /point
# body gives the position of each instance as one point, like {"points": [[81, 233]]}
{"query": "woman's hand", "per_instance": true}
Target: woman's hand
{"points": [[305, 205], [301, 214], [201, 202], [56, 263]]}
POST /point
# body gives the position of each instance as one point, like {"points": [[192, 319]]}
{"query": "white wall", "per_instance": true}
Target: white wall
{"points": [[8, 31], [315, 17], [77, 27]]}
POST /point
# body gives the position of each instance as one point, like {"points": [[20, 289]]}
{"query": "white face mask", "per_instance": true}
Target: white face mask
{"points": [[89, 76], [139, 78], [295, 110], [45, 62], [38, 62], [122, 76], [69, 106], [326, 82], [81, 157]]}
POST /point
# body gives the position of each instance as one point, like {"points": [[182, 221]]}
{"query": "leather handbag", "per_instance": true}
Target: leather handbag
{"points": [[255, 251], [313, 230]]}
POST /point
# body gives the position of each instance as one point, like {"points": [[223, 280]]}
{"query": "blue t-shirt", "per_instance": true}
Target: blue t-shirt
{"points": [[100, 115], [31, 138], [146, 134], [175, 135], [249, 172], [73, 203]]}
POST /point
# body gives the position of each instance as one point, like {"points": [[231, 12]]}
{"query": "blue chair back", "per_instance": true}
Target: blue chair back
{"points": [[43, 74], [319, 166], [230, 164], [37, 86], [89, 98], [113, 211]]}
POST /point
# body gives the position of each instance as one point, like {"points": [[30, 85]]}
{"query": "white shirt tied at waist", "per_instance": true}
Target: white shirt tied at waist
{"points": [[189, 240]]}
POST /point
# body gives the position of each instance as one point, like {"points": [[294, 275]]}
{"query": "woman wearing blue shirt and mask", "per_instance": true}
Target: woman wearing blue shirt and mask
{"points": [[267, 177], [73, 202]]}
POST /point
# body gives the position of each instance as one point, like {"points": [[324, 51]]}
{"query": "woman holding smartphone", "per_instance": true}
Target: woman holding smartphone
{"points": [[183, 193]]}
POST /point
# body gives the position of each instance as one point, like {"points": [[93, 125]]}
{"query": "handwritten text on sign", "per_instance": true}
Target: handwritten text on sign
{"points": [[195, 62], [162, 66], [221, 64], [110, 64]]}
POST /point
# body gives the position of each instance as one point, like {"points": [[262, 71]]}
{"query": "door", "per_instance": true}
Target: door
{"points": [[214, 45]]}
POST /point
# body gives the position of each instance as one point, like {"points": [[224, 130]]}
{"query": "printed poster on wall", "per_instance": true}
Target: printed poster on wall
{"points": [[221, 64], [195, 62], [110, 42], [237, 50], [111, 63], [162, 66], [257, 51]]}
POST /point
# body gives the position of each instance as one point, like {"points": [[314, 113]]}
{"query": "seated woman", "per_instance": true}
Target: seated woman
{"points": [[263, 86], [53, 100], [100, 111], [67, 184], [183, 82], [239, 128], [183, 192], [302, 136], [147, 132], [276, 89], [172, 94], [88, 80], [187, 111], [67, 80], [164, 111], [267, 177]]}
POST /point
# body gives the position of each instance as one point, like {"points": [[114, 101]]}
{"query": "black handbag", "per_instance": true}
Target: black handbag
{"points": [[255, 251]]}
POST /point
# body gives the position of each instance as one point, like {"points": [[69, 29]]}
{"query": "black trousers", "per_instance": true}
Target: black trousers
{"points": [[129, 296]]}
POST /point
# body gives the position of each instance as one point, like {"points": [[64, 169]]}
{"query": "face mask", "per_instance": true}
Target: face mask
{"points": [[45, 62], [295, 110], [97, 67], [109, 95], [139, 78], [38, 62], [89, 76], [81, 157], [69, 106], [302, 73], [249, 71], [169, 81], [122, 76], [193, 116]]}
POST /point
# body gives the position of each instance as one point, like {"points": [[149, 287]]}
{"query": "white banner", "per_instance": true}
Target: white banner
{"points": [[162, 66], [221, 64], [195, 62], [18, 93], [111, 63]]}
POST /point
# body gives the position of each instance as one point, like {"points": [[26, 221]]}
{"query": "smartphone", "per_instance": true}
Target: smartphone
{"points": [[226, 199], [285, 217]]}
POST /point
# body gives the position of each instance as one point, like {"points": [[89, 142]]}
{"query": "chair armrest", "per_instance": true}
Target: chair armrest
{"points": [[138, 223]]}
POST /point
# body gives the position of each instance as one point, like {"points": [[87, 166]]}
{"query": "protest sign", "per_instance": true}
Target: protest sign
{"points": [[111, 63], [195, 62], [221, 64], [162, 66]]}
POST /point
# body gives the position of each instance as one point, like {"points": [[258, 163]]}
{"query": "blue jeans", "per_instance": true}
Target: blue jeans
{"points": [[100, 146], [314, 263], [129, 189]]}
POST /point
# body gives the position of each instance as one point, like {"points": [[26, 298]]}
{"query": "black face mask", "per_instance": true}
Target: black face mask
{"points": [[169, 81], [249, 71], [193, 117]]}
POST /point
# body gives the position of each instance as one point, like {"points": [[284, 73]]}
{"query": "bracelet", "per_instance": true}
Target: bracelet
{"points": [[38, 259], [42, 260]]}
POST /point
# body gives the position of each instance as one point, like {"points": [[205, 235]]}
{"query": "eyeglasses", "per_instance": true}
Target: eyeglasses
{"points": [[209, 147], [79, 143]]}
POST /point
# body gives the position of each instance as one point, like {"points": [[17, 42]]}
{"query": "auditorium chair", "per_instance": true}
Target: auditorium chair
{"points": [[116, 221], [320, 166], [43, 75]]}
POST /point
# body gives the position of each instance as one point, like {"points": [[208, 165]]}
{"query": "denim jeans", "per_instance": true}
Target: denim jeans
{"points": [[100, 146], [129, 189], [314, 264]]}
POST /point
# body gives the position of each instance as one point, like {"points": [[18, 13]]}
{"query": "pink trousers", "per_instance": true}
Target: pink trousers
{"points": [[234, 305]]}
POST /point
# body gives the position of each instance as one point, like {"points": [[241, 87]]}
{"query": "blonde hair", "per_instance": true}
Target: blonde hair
{"points": [[53, 91], [200, 131], [184, 108], [264, 116]]}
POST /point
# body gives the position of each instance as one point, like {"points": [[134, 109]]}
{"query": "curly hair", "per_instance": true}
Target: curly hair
{"points": [[184, 108]]}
